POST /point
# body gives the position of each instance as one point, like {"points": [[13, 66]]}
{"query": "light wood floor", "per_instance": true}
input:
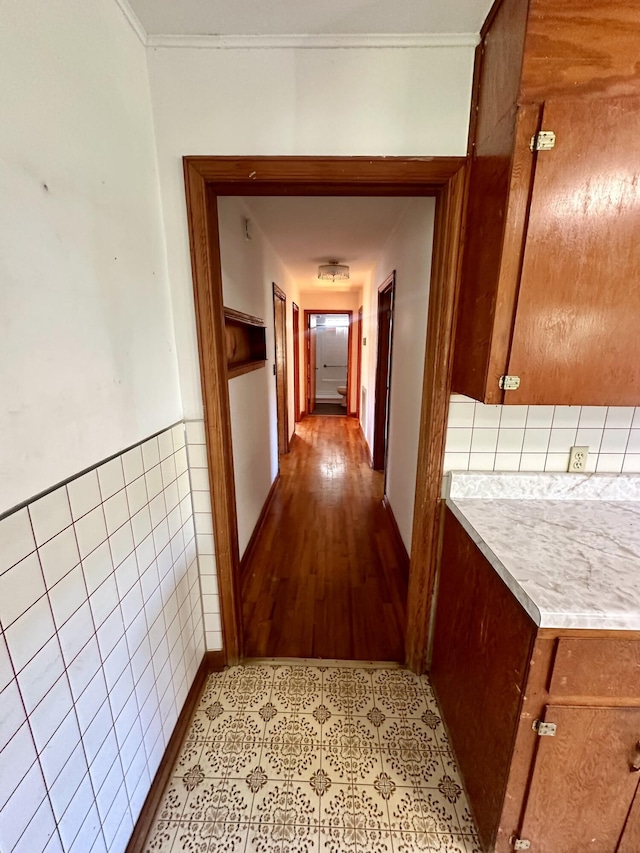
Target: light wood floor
{"points": [[324, 579]]}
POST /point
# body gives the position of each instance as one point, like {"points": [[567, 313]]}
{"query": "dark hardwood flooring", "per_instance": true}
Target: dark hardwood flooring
{"points": [[324, 579]]}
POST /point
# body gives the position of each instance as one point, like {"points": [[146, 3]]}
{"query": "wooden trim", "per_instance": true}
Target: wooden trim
{"points": [[280, 356], [401, 549], [278, 292], [248, 551], [384, 354], [329, 176], [366, 444], [211, 662], [442, 177], [295, 319], [232, 314], [307, 314], [358, 361], [202, 219], [436, 389], [232, 372]]}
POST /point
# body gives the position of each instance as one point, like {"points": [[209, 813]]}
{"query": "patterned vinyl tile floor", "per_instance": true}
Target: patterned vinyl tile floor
{"points": [[283, 758]]}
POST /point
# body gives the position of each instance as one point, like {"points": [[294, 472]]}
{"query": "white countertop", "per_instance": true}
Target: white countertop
{"points": [[566, 547]]}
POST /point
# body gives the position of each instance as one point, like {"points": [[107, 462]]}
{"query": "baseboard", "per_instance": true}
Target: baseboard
{"points": [[403, 556], [248, 553], [211, 662], [366, 444]]}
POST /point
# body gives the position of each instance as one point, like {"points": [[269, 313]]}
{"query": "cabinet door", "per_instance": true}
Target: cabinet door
{"points": [[630, 841], [582, 786], [576, 338]]}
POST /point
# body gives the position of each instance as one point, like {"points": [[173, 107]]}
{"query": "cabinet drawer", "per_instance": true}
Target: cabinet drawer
{"points": [[594, 667]]}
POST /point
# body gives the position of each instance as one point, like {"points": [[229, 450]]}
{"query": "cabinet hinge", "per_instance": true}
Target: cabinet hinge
{"points": [[509, 383], [543, 140], [544, 729], [521, 843]]}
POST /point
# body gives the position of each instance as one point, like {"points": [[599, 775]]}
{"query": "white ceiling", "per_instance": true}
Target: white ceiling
{"points": [[306, 232], [304, 17]]}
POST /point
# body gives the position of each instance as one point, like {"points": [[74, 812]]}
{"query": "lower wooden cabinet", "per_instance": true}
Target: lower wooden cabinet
{"points": [[569, 788], [584, 780]]}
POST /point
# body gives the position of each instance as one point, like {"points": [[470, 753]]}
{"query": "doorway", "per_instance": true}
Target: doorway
{"points": [[280, 366], [328, 361], [206, 178], [386, 296]]}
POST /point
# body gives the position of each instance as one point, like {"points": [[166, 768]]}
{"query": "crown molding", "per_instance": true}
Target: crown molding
{"points": [[134, 20], [324, 42]]}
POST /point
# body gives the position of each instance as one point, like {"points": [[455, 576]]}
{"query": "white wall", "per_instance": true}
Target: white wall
{"points": [[408, 252], [87, 354], [242, 102], [249, 269]]}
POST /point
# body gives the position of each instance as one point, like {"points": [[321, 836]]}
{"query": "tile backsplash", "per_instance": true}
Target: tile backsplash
{"points": [[101, 634], [538, 438]]}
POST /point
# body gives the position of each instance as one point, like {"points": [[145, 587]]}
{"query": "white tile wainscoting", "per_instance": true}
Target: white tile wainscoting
{"points": [[538, 438], [201, 497], [101, 635]]}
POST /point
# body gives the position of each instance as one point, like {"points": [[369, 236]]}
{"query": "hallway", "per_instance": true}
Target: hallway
{"points": [[325, 579]]}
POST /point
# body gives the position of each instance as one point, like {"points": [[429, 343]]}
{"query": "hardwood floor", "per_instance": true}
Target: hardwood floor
{"points": [[324, 579]]}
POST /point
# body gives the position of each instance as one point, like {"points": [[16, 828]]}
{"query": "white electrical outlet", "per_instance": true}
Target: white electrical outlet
{"points": [[578, 459]]}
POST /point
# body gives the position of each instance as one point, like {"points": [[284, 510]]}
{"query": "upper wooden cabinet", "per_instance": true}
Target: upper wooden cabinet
{"points": [[550, 288]]}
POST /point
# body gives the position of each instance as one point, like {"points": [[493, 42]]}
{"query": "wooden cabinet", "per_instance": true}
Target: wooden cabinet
{"points": [[551, 262], [495, 675]]}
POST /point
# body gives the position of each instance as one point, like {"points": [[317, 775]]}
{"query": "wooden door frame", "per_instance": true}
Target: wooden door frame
{"points": [[358, 361], [281, 369], [295, 319], [206, 178], [382, 406], [307, 343]]}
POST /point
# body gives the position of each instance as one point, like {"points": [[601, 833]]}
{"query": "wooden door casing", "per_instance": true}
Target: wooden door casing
{"points": [[582, 788], [206, 178], [280, 341], [295, 313], [575, 339], [312, 367], [386, 293]]}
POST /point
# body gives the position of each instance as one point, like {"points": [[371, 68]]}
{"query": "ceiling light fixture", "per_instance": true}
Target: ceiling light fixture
{"points": [[333, 271]]}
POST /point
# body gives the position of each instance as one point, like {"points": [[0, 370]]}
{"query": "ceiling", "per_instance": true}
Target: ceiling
{"points": [[306, 232], [304, 17]]}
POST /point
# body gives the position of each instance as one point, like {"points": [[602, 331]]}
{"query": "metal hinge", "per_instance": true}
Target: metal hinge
{"points": [[509, 383], [521, 844], [543, 140], [544, 729]]}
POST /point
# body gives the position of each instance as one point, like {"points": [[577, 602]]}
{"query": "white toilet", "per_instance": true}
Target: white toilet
{"points": [[342, 390]]}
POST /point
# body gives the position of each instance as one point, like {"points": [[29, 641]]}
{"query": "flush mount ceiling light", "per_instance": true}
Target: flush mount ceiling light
{"points": [[333, 271]]}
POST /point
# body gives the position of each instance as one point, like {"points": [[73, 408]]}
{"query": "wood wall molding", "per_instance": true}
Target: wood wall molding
{"points": [[401, 549], [442, 177], [211, 662], [248, 551]]}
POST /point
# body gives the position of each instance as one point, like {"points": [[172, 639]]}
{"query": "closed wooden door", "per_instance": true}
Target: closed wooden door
{"points": [[576, 337], [280, 335], [296, 361], [583, 785]]}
